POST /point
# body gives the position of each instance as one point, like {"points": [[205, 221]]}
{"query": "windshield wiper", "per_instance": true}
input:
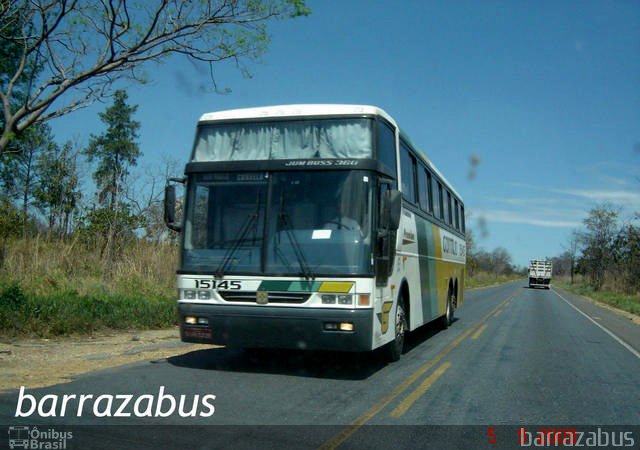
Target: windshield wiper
{"points": [[284, 223], [250, 222]]}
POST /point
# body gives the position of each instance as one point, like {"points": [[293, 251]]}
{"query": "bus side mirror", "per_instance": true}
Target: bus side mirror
{"points": [[391, 210], [170, 208]]}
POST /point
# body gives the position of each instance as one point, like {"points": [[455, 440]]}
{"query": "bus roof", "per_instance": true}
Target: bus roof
{"points": [[302, 110]]}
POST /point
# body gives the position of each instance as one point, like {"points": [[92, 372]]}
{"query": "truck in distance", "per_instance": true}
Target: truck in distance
{"points": [[540, 273]]}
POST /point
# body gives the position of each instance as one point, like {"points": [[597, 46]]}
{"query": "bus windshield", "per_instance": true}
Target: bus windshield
{"points": [[279, 223], [284, 139]]}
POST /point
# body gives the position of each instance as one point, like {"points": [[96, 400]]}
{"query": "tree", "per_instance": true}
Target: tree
{"points": [[50, 48], [501, 262], [115, 150], [146, 199], [572, 252], [597, 242], [58, 193], [18, 170], [626, 258], [16, 73], [472, 262]]}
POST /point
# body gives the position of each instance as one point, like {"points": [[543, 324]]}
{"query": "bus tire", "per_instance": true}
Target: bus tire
{"points": [[395, 347], [447, 319]]}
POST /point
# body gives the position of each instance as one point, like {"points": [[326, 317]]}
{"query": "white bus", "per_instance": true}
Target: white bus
{"points": [[314, 227]]}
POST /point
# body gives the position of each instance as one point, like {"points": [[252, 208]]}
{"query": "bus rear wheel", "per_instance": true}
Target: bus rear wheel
{"points": [[447, 319], [395, 347]]}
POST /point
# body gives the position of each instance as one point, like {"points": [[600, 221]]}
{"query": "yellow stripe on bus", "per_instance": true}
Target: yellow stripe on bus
{"points": [[339, 287]]}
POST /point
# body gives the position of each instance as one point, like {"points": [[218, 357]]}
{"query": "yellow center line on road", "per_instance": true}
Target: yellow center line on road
{"points": [[477, 334], [349, 430], [419, 391]]}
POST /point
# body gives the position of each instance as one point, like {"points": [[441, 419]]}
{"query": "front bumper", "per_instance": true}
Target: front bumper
{"points": [[277, 327]]}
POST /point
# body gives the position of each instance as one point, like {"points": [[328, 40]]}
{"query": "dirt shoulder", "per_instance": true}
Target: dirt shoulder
{"points": [[43, 362]]}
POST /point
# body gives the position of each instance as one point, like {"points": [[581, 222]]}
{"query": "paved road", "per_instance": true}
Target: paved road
{"points": [[514, 356]]}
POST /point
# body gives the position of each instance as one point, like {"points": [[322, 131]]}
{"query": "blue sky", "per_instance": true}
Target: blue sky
{"points": [[545, 94]]}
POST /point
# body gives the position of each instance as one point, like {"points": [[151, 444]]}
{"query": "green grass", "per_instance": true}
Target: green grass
{"points": [[24, 312], [483, 279], [629, 303]]}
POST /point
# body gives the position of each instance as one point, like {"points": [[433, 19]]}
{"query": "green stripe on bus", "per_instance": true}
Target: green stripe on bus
{"points": [[427, 268]]}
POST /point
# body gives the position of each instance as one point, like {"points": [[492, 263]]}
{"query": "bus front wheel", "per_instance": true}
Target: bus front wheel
{"points": [[395, 347]]}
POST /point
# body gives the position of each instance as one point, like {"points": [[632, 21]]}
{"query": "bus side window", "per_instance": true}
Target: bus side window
{"points": [[423, 189], [437, 201], [462, 217], [386, 147], [449, 212], [441, 202], [407, 170], [429, 191], [444, 204], [457, 211]]}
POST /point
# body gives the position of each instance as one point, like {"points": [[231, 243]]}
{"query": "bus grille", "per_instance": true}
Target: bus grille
{"points": [[274, 297]]}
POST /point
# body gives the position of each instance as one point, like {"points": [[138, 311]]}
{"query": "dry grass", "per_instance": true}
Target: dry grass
{"points": [[62, 287], [43, 266]]}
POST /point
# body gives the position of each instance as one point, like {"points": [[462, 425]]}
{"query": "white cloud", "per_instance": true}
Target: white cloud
{"points": [[530, 218], [622, 197]]}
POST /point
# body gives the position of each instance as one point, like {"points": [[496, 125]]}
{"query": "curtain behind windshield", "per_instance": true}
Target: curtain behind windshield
{"points": [[302, 139]]}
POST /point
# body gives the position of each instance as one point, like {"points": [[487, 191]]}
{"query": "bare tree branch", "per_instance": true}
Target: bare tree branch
{"points": [[79, 48]]}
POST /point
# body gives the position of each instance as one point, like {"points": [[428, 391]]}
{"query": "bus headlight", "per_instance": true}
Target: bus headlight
{"points": [[345, 299], [190, 320], [345, 326], [328, 299], [204, 295], [189, 294]]}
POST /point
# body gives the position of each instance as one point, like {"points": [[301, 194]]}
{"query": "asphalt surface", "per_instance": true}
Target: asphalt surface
{"points": [[514, 356]]}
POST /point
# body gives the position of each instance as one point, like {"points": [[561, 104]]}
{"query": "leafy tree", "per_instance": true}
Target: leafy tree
{"points": [[16, 73], [58, 193], [597, 243], [118, 225], [626, 258], [115, 150], [60, 55], [10, 225], [18, 169]]}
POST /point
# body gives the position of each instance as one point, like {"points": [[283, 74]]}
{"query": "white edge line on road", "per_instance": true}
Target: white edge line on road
{"points": [[620, 341]]}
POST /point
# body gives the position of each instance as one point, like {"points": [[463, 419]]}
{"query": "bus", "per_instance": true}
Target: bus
{"points": [[314, 227]]}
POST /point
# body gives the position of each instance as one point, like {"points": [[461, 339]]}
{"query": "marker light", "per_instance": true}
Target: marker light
{"points": [[328, 299], [346, 326], [190, 320], [363, 300]]}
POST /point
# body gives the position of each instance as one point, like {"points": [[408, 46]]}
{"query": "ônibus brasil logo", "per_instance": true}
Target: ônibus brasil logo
{"points": [[34, 438]]}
